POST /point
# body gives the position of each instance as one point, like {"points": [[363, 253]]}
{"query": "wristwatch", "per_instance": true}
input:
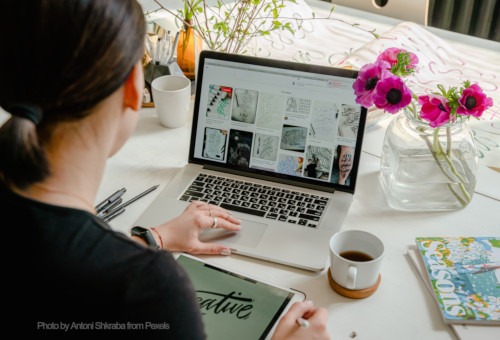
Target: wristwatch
{"points": [[146, 235]]}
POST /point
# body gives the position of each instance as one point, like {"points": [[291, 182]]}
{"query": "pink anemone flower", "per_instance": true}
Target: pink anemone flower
{"points": [[391, 56], [473, 101], [435, 109], [365, 83], [391, 94]]}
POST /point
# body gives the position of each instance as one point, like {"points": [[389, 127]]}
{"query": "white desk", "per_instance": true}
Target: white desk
{"points": [[401, 308]]}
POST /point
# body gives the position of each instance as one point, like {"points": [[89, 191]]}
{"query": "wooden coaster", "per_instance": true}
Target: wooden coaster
{"points": [[350, 293]]}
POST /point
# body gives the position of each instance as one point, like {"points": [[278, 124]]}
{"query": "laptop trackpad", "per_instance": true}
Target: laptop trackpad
{"points": [[249, 235]]}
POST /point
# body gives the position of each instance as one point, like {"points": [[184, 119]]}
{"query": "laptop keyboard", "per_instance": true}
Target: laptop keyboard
{"points": [[256, 199]]}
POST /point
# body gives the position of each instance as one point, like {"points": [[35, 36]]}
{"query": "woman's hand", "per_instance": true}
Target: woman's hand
{"points": [[289, 329], [182, 233]]}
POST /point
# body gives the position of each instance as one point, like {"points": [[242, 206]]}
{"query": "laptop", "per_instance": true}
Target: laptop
{"points": [[278, 144]]}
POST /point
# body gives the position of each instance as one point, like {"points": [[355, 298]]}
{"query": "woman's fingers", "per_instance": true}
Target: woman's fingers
{"points": [[217, 217]]}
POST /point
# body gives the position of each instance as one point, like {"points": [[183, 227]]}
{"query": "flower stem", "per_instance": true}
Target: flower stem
{"points": [[437, 149]]}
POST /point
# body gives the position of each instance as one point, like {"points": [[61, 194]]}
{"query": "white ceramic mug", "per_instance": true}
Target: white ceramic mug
{"points": [[355, 259], [172, 99]]}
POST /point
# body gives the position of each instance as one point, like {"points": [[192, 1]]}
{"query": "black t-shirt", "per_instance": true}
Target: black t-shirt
{"points": [[80, 277]]}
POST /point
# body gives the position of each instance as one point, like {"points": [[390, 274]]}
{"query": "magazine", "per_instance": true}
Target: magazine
{"points": [[464, 273], [463, 332]]}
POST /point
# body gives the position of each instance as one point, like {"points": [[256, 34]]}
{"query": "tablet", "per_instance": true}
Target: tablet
{"points": [[236, 306]]}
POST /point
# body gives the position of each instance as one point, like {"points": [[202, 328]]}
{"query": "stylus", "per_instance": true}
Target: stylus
{"points": [[302, 322]]}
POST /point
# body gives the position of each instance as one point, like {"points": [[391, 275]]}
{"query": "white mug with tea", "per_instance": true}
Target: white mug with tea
{"points": [[355, 259]]}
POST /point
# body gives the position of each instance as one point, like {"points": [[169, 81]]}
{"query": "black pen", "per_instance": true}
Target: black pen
{"points": [[132, 200], [110, 206], [109, 217], [105, 204]]}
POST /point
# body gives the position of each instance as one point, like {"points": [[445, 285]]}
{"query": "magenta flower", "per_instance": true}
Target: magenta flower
{"points": [[391, 56], [435, 109], [381, 84], [473, 101], [391, 94], [365, 83]]}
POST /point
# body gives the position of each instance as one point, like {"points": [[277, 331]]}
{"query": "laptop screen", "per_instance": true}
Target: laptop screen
{"points": [[283, 121]]}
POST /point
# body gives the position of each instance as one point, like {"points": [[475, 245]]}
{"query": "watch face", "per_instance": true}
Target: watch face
{"points": [[139, 231], [146, 235]]}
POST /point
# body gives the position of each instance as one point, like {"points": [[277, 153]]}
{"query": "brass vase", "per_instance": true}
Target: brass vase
{"points": [[186, 50]]}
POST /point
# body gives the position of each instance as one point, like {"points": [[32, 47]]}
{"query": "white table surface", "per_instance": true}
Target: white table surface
{"points": [[401, 308]]}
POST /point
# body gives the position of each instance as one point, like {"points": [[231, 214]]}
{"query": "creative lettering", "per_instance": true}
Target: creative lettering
{"points": [[231, 303]]}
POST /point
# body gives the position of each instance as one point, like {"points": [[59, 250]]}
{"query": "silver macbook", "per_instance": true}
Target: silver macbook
{"points": [[278, 144]]}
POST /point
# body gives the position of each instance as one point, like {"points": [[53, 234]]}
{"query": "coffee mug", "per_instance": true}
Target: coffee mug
{"points": [[172, 99], [355, 259]]}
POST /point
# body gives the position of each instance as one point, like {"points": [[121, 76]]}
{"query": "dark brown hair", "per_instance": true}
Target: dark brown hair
{"points": [[63, 57]]}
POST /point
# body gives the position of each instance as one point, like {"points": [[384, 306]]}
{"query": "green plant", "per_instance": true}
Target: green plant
{"points": [[229, 26]]}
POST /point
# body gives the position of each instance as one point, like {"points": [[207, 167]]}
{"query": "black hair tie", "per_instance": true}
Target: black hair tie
{"points": [[27, 111]]}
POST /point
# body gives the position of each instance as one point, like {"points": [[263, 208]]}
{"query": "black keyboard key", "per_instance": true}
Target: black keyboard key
{"points": [[193, 193], [321, 201], [242, 209], [272, 216], [256, 206], [313, 212], [309, 217]]}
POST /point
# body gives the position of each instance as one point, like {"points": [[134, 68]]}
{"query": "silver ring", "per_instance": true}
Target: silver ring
{"points": [[216, 221]]}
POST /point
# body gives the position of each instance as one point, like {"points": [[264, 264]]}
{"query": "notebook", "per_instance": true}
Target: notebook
{"points": [[278, 144]]}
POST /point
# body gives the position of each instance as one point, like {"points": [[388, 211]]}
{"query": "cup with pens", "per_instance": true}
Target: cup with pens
{"points": [[113, 205], [161, 61]]}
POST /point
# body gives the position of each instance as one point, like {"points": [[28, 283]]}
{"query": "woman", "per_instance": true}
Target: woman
{"points": [[72, 83]]}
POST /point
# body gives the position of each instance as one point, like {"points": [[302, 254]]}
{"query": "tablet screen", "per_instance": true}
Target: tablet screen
{"points": [[234, 306]]}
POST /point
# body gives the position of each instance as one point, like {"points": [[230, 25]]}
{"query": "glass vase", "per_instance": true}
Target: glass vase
{"points": [[428, 169]]}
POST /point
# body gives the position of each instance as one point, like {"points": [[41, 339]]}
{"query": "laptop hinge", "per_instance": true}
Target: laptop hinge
{"points": [[267, 178]]}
